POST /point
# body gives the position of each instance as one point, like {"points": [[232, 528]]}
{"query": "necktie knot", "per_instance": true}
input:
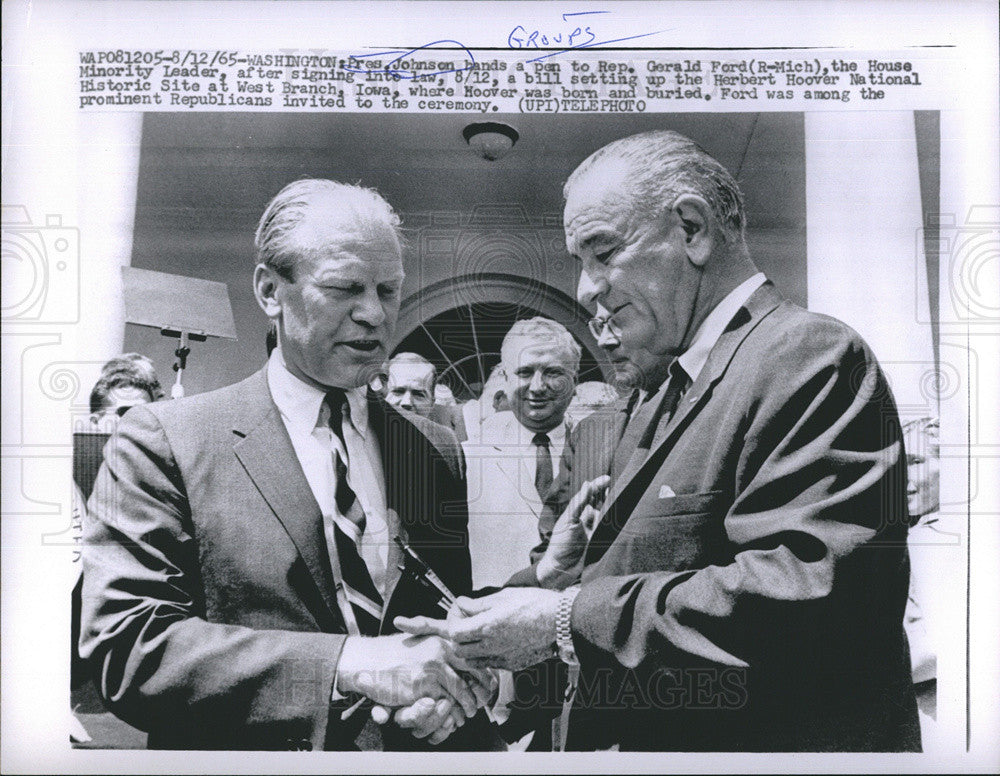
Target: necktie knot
{"points": [[541, 439], [336, 402]]}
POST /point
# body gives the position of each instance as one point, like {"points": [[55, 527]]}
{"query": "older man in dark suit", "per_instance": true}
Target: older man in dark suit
{"points": [[744, 585], [240, 565]]}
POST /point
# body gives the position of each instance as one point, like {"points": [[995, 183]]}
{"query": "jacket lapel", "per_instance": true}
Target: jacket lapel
{"points": [[265, 450], [627, 489], [386, 423]]}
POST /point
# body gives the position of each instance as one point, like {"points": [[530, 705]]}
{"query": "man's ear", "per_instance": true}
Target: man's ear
{"points": [[696, 219], [265, 289]]}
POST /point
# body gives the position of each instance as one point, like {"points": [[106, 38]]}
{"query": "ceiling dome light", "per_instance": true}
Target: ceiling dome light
{"points": [[490, 140]]}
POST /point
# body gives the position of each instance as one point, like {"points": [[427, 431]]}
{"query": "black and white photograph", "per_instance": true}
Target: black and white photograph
{"points": [[602, 391]]}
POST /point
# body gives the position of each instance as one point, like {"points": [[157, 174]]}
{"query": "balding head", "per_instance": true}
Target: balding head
{"points": [[660, 165], [657, 225]]}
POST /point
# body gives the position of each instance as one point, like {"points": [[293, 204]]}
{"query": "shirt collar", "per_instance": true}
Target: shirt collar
{"points": [[299, 403], [557, 435], [693, 359]]}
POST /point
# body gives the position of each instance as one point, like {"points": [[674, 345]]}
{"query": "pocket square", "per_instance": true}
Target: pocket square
{"points": [[666, 492]]}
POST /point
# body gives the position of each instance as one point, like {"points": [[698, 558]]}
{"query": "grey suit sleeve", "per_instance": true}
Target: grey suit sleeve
{"points": [[156, 659], [820, 481]]}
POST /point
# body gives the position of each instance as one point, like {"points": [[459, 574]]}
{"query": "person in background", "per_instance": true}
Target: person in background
{"points": [[443, 396], [412, 386], [590, 397], [935, 568], [492, 399], [125, 381], [411, 383], [513, 466]]}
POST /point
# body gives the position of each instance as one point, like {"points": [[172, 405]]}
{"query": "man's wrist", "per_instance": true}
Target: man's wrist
{"points": [[564, 633], [346, 673]]}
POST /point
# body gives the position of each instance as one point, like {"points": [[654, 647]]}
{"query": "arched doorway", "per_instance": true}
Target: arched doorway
{"points": [[460, 324]]}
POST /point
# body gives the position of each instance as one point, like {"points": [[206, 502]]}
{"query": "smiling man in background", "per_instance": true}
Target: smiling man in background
{"points": [[513, 467]]}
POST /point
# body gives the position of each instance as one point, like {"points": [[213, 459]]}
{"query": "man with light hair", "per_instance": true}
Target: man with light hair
{"points": [[513, 466], [240, 565], [744, 585], [588, 398]]}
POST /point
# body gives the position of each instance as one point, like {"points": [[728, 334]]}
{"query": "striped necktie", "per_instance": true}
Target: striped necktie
{"points": [[348, 527]]}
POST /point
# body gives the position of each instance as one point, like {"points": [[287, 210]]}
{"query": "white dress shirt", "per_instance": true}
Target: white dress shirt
{"points": [[504, 505], [299, 404], [696, 356]]}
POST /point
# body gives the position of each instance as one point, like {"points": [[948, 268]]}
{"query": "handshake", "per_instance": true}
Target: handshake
{"points": [[417, 681], [437, 673]]}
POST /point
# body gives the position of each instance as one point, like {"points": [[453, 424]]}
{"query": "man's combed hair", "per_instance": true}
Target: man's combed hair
{"points": [[141, 367], [665, 165], [123, 377], [275, 236], [545, 330], [414, 358]]}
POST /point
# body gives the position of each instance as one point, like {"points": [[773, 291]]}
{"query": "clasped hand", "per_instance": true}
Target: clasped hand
{"points": [[432, 690], [438, 675]]}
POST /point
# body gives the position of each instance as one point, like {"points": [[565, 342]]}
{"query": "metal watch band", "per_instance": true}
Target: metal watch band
{"points": [[564, 635]]}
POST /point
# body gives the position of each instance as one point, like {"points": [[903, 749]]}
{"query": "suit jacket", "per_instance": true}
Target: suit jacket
{"points": [[503, 503], [451, 417], [590, 451], [744, 588], [209, 607]]}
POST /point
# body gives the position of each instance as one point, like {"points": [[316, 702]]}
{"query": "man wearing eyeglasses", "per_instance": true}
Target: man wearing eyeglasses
{"points": [[744, 586]]}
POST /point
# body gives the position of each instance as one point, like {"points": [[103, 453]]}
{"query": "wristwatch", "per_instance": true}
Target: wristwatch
{"points": [[564, 636]]}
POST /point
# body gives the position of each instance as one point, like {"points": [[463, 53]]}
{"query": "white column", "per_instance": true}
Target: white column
{"points": [[108, 161], [69, 203], [866, 262]]}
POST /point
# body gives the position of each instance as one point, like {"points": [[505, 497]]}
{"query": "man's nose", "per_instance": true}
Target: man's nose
{"points": [[369, 310], [407, 401], [589, 289], [537, 383], [607, 340]]}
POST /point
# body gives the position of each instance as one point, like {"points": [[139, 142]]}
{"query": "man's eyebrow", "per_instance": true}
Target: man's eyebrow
{"points": [[599, 234]]}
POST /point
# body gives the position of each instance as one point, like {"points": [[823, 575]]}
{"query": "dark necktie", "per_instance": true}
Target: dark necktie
{"points": [[642, 430], [348, 526], [638, 420], [543, 465], [676, 384]]}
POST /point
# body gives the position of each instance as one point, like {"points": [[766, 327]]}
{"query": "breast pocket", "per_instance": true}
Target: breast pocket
{"points": [[673, 534]]}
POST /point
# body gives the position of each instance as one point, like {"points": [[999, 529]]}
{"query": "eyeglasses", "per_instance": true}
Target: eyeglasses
{"points": [[598, 325]]}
